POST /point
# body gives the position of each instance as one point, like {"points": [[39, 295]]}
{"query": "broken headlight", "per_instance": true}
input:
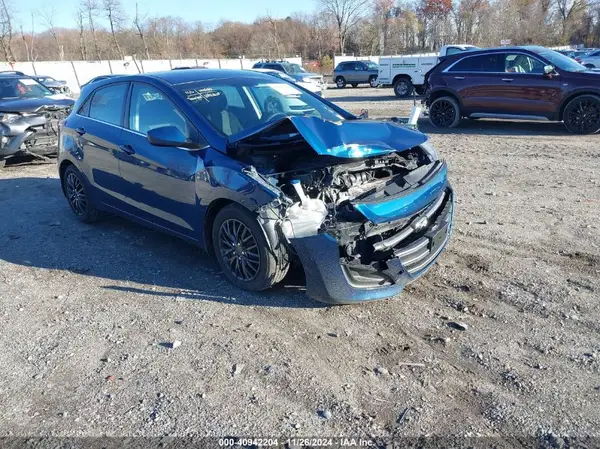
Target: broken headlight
{"points": [[430, 151], [9, 118]]}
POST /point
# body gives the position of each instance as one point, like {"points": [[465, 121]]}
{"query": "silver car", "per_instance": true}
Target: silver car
{"points": [[355, 73]]}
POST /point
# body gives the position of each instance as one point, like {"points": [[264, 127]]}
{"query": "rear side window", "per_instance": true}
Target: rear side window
{"points": [[482, 63], [107, 104]]}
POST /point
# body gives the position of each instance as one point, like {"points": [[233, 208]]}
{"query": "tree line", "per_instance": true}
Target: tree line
{"points": [[102, 30]]}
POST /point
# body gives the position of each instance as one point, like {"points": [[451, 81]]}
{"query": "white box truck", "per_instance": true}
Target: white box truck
{"points": [[406, 73]]}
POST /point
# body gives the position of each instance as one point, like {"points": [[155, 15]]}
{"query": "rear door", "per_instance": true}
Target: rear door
{"points": [[98, 130], [160, 180], [481, 83]]}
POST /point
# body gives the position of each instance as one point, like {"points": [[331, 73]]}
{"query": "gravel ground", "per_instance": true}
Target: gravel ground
{"points": [[87, 313]]}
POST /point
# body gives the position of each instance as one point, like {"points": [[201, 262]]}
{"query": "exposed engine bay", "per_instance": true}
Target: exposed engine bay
{"points": [[321, 194]]}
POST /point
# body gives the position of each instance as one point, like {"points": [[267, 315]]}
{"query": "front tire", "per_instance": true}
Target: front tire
{"points": [[444, 112], [243, 253], [78, 196], [373, 81], [403, 88], [340, 82], [582, 115]]}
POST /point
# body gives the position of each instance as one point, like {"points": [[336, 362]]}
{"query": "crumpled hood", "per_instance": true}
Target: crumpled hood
{"points": [[36, 104], [355, 138]]}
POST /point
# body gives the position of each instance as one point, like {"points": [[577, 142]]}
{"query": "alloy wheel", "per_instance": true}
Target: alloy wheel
{"points": [[340, 83], [239, 250], [584, 116], [76, 194], [402, 89], [442, 113], [373, 82]]}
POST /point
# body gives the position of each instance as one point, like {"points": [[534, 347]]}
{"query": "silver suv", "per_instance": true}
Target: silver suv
{"points": [[355, 73]]}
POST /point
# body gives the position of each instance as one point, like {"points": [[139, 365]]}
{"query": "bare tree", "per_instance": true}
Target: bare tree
{"points": [[91, 9], [140, 31], [346, 14], [114, 14], [6, 31], [26, 44], [80, 19], [48, 15], [568, 11]]}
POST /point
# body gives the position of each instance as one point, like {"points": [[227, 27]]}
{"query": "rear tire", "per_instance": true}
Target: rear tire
{"points": [[340, 82], [444, 112], [590, 66], [373, 81], [78, 196], [582, 115], [403, 88], [243, 253]]}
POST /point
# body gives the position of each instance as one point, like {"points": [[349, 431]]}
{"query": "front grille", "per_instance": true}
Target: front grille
{"points": [[406, 249], [417, 253]]}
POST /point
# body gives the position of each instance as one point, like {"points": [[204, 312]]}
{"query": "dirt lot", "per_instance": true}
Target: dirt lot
{"points": [[85, 312]]}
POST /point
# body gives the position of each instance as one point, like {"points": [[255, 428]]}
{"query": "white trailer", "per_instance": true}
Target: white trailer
{"points": [[406, 73]]}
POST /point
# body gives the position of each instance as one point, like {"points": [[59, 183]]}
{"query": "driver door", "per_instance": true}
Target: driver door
{"points": [[160, 180], [528, 90]]}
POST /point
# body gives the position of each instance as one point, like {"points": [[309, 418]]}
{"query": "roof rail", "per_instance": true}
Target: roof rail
{"points": [[15, 72]]}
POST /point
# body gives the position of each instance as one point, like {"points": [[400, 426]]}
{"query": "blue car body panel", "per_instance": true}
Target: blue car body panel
{"points": [[407, 204], [175, 189], [356, 138]]}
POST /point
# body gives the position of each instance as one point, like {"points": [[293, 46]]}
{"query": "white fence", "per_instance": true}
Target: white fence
{"points": [[76, 73]]}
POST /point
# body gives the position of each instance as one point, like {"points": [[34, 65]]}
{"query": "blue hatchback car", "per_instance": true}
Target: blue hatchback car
{"points": [[260, 172]]}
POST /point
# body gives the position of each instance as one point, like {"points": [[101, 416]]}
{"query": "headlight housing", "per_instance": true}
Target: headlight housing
{"points": [[9, 118], [429, 150]]}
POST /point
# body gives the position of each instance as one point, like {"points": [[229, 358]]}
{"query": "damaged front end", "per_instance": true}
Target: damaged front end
{"points": [[33, 132], [365, 205]]}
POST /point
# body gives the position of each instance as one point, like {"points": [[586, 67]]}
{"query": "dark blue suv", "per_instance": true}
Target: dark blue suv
{"points": [[260, 172]]}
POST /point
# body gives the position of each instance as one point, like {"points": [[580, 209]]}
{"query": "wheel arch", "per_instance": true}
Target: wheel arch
{"points": [[62, 168], [442, 93], [402, 76], [211, 214], [571, 97]]}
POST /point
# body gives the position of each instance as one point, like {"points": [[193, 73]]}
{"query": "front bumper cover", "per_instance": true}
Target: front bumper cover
{"points": [[331, 281]]}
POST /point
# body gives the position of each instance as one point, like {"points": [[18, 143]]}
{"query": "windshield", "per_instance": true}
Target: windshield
{"points": [[372, 65], [234, 105], [296, 68], [282, 75], [561, 61], [22, 88]]}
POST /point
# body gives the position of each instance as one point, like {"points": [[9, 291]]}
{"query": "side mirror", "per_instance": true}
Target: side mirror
{"points": [[170, 136], [548, 69]]}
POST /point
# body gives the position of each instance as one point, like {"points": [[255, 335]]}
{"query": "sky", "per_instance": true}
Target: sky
{"points": [[205, 11]]}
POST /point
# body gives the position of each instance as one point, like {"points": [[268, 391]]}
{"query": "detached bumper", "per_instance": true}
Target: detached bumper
{"points": [[411, 253]]}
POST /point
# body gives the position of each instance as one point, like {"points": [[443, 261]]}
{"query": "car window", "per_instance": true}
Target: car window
{"points": [[372, 66], [150, 108], [520, 63], [274, 67], [107, 104], [22, 88], [596, 53], [482, 63], [262, 101], [359, 66]]}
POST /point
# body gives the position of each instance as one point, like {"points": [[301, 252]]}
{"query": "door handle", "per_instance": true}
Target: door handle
{"points": [[459, 77], [127, 149], [80, 131], [507, 80]]}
